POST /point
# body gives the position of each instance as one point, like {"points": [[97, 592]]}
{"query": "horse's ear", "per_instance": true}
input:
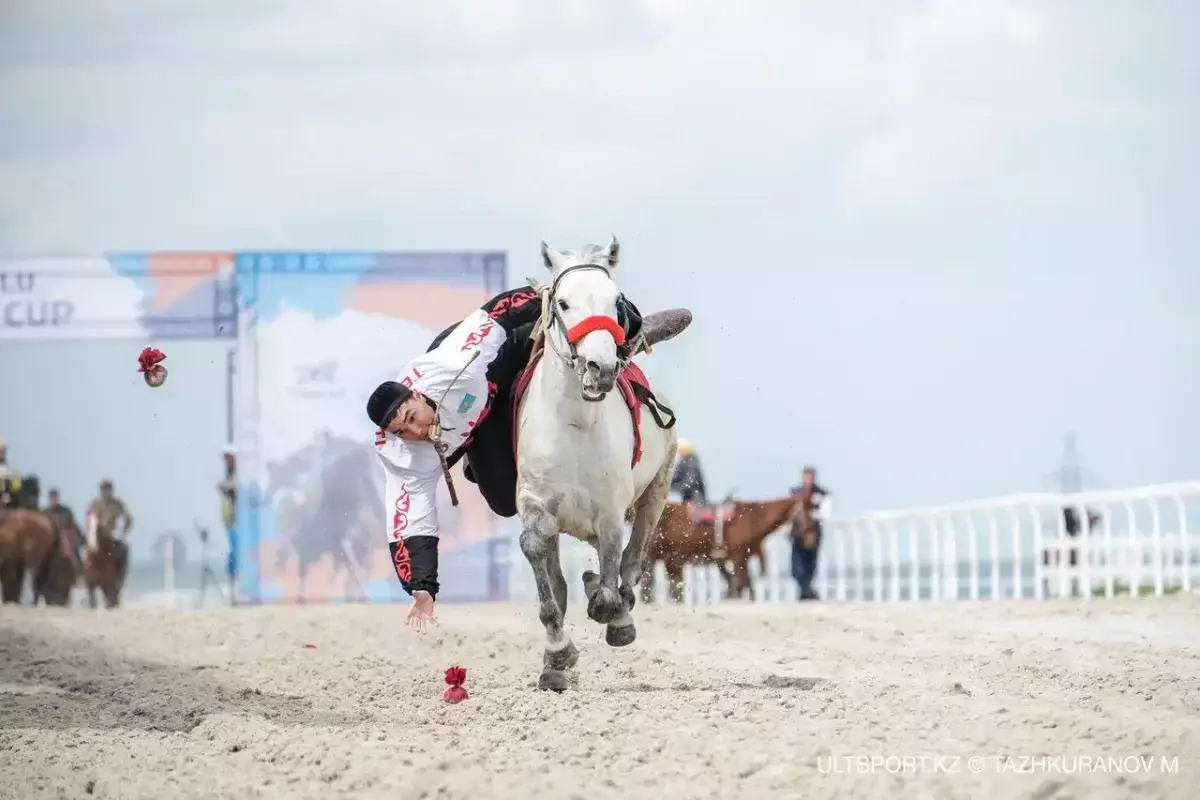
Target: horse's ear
{"points": [[547, 256], [614, 253]]}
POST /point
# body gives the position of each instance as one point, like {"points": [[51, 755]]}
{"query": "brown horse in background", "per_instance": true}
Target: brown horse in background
{"points": [[679, 540], [744, 535], [62, 569], [105, 558], [27, 542]]}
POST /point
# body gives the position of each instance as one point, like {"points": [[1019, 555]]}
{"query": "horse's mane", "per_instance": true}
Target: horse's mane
{"points": [[591, 254]]}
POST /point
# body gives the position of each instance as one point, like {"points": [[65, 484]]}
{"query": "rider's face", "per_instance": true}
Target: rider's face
{"points": [[413, 420]]}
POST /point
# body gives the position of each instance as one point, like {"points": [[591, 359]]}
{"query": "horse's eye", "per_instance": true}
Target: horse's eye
{"points": [[563, 305]]}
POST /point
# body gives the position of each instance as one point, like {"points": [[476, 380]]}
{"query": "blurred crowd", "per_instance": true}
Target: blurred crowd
{"points": [[19, 491]]}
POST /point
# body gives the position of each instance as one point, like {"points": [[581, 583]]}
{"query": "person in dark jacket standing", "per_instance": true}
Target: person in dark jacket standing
{"points": [[806, 532]]}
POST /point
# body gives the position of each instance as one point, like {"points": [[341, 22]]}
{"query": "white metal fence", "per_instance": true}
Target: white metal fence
{"points": [[1143, 540]]}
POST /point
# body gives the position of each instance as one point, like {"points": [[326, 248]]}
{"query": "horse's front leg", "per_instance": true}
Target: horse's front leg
{"points": [[539, 543], [112, 594], [605, 604], [646, 584], [646, 517]]}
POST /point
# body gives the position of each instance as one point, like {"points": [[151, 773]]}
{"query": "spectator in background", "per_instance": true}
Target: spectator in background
{"points": [[64, 523], [228, 490], [806, 532], [10, 480], [688, 479], [1072, 527], [5, 470]]}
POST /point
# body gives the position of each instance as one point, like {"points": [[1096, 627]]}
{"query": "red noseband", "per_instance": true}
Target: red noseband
{"points": [[593, 324]]}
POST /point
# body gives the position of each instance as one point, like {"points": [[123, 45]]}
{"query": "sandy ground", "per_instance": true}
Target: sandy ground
{"points": [[751, 702]]}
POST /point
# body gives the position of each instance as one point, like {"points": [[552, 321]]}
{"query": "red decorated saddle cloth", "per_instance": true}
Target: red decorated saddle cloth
{"points": [[719, 513], [635, 390]]}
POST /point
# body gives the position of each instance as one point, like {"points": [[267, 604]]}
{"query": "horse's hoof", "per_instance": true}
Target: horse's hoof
{"points": [[591, 582], [552, 680], [620, 636], [559, 660], [605, 605]]}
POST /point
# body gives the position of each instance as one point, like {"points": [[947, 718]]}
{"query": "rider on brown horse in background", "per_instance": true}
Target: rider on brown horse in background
{"points": [[106, 560], [680, 540], [70, 536], [806, 532], [62, 569], [109, 506], [26, 534], [688, 482], [108, 501]]}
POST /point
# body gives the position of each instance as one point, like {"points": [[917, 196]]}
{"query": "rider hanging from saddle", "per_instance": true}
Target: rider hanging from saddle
{"points": [[459, 396]]}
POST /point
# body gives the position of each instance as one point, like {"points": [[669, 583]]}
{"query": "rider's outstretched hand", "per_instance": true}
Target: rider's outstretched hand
{"points": [[421, 614]]}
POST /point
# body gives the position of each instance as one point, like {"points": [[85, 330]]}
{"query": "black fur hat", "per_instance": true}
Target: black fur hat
{"points": [[385, 401]]}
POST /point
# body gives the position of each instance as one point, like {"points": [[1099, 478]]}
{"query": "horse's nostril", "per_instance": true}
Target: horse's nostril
{"points": [[593, 368]]}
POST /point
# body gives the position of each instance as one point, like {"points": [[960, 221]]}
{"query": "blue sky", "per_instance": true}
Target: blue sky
{"points": [[922, 240]]}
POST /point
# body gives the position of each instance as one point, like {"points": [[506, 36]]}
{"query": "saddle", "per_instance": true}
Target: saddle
{"points": [[631, 382], [722, 512], [718, 515]]}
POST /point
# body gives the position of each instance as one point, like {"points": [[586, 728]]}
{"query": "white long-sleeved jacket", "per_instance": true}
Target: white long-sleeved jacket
{"points": [[412, 469]]}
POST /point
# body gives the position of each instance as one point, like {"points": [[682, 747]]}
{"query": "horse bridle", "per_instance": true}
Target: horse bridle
{"points": [[575, 333], [596, 322]]}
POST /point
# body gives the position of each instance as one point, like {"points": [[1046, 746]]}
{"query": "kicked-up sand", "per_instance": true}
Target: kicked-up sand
{"points": [[1011, 699]]}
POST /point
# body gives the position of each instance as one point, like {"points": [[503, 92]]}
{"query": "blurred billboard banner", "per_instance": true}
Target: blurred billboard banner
{"points": [[118, 296], [316, 333], [312, 333]]}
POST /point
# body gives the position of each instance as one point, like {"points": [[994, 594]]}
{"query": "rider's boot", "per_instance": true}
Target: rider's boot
{"points": [[662, 326]]}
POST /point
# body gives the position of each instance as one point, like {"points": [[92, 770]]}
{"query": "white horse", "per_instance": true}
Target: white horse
{"points": [[575, 452]]}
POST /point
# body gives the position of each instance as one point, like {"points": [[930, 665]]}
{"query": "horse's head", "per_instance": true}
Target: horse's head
{"points": [[754, 521], [582, 324]]}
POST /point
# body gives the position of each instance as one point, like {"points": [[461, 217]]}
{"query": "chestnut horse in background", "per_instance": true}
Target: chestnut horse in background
{"points": [[105, 558], [679, 540]]}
